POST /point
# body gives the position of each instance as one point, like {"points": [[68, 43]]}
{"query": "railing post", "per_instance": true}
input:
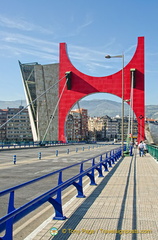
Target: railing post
{"points": [[112, 157], [39, 155], [14, 159], [91, 176], [109, 160], [57, 203], [9, 224], [56, 153], [116, 156], [79, 185], [106, 163], [99, 169]]}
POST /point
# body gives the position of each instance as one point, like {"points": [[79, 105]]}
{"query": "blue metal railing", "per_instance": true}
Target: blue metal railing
{"points": [[14, 214]]}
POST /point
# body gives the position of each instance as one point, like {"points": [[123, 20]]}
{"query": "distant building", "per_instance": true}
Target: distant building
{"points": [[77, 125], [107, 128], [130, 127], [97, 128], [18, 128], [70, 130], [3, 119], [104, 128], [112, 128], [83, 122]]}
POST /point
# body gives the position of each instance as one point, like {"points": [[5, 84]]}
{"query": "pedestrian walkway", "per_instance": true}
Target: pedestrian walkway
{"points": [[123, 206]]}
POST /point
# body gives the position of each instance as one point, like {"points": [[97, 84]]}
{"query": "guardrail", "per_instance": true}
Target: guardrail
{"points": [[18, 145], [23, 145], [30, 144], [14, 214], [153, 150]]}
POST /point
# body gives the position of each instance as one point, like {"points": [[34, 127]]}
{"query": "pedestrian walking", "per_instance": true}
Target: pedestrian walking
{"points": [[141, 149], [136, 144], [145, 148]]}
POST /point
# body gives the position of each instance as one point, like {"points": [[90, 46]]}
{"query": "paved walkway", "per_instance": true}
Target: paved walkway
{"points": [[123, 206]]}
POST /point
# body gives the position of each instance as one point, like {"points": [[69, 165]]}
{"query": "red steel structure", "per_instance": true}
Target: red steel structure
{"points": [[83, 85]]}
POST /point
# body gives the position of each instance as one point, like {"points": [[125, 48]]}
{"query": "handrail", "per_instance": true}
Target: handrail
{"points": [[14, 214], [16, 145], [153, 150], [30, 144]]}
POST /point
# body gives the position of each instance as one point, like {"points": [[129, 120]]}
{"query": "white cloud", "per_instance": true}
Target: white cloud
{"points": [[13, 45], [76, 26], [48, 51], [15, 38], [88, 21], [22, 25], [29, 45]]}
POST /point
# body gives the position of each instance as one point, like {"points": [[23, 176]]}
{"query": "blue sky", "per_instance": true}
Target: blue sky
{"points": [[30, 31]]}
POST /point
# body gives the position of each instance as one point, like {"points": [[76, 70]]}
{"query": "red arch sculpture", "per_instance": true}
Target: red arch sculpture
{"points": [[82, 85]]}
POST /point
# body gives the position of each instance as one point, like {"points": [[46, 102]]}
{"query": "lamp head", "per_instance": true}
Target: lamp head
{"points": [[107, 56]]}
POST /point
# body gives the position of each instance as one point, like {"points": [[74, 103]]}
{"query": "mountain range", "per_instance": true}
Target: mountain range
{"points": [[101, 107], [97, 107]]}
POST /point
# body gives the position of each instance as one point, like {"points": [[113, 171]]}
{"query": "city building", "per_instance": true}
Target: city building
{"points": [[77, 125], [3, 119], [70, 132], [83, 113], [112, 129], [97, 128], [18, 128], [107, 128], [130, 128]]}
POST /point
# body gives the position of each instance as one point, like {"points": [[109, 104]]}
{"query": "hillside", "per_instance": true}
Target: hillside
{"points": [[112, 108], [152, 111], [95, 107], [102, 107]]}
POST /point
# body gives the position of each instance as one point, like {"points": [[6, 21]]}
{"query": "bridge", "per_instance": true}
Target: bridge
{"points": [[116, 194], [120, 202]]}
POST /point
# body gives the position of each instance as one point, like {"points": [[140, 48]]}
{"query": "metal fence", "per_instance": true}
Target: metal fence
{"points": [[10, 145], [99, 163], [153, 150]]}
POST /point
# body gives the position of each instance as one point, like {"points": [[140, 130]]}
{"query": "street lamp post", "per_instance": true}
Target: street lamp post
{"points": [[122, 133]]}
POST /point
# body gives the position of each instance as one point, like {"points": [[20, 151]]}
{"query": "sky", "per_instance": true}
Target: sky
{"points": [[30, 31]]}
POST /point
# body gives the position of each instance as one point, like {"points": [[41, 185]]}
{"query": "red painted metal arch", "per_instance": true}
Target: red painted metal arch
{"points": [[82, 85]]}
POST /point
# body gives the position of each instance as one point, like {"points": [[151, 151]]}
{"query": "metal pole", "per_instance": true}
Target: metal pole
{"points": [[122, 133], [122, 104], [132, 117], [132, 100]]}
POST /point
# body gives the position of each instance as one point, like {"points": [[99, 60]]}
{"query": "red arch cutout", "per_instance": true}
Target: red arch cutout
{"points": [[82, 85]]}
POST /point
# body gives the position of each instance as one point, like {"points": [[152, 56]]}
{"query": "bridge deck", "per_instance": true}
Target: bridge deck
{"points": [[125, 199]]}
